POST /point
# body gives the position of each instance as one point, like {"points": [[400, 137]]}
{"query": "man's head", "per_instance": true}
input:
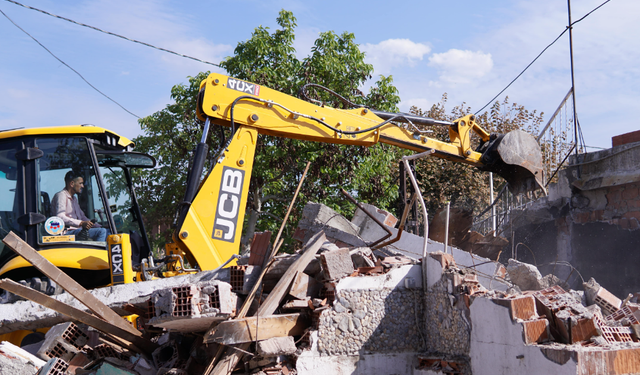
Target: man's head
{"points": [[74, 183]]}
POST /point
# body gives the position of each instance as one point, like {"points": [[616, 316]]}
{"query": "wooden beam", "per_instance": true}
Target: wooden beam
{"points": [[226, 365], [250, 329], [67, 283], [141, 345]]}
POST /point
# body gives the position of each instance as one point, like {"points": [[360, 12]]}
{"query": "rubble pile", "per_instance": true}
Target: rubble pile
{"points": [[341, 304]]}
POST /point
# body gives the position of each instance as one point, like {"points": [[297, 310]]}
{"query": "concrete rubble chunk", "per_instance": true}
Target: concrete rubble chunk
{"points": [[63, 341], [305, 286], [54, 366], [362, 257], [189, 308], [17, 361], [525, 276], [336, 264], [276, 346], [338, 229]]}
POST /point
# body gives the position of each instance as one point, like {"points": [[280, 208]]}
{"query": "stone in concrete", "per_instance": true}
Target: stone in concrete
{"points": [[276, 346]]}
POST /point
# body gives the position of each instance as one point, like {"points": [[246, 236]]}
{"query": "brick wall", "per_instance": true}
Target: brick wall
{"points": [[625, 138], [622, 209]]}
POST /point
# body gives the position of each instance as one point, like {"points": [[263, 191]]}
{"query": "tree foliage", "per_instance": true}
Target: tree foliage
{"points": [[268, 58], [371, 174], [464, 186]]}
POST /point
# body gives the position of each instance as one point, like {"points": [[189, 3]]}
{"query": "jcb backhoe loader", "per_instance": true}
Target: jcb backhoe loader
{"points": [[33, 163]]}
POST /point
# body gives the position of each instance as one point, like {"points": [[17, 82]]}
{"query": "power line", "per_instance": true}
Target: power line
{"points": [[540, 54], [113, 34], [67, 65]]}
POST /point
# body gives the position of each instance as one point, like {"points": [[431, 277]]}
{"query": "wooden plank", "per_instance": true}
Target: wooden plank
{"points": [[142, 345], [250, 329], [67, 283], [226, 365]]}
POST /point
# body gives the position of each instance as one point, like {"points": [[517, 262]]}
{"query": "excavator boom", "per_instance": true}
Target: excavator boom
{"points": [[210, 221]]}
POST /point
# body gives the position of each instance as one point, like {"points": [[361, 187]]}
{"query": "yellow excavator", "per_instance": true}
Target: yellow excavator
{"points": [[33, 163]]}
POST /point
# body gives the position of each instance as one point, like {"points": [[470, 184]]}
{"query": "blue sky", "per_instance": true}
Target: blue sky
{"points": [[468, 49]]}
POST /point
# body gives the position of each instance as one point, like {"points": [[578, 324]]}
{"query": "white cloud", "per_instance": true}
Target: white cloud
{"points": [[392, 53], [461, 67]]}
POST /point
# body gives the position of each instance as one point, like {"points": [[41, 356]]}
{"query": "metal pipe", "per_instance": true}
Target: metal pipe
{"points": [[573, 82], [380, 224], [493, 207], [416, 189], [446, 230]]}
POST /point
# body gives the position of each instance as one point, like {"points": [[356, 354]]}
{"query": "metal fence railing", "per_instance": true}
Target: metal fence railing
{"points": [[557, 141]]}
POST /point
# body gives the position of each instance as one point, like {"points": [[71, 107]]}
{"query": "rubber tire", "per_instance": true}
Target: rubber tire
{"points": [[41, 284]]}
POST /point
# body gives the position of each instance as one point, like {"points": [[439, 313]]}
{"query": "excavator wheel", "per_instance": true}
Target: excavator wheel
{"points": [[41, 284]]}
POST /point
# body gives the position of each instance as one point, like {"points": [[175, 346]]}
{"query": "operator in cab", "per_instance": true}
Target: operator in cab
{"points": [[65, 206]]}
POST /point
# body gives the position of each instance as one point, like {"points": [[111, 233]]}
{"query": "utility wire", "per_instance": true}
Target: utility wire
{"points": [[534, 60], [67, 65], [113, 34]]}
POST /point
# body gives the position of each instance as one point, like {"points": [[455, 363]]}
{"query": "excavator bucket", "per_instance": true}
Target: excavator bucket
{"points": [[516, 157]]}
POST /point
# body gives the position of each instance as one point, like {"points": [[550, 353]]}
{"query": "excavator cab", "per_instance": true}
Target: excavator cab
{"points": [[33, 164]]}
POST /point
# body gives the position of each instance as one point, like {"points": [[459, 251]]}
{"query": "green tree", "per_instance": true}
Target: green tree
{"points": [[268, 58]]}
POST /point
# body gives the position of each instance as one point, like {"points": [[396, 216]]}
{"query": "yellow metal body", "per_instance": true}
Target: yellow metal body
{"points": [[65, 130], [282, 115], [16, 337], [71, 257], [119, 250], [210, 233]]}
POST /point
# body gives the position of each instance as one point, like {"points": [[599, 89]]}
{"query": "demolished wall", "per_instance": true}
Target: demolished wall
{"points": [[590, 220], [359, 310]]}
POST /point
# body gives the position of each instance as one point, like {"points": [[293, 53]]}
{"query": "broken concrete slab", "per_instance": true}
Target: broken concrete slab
{"points": [[336, 264], [317, 217], [192, 308], [362, 257], [490, 273], [276, 346], [304, 287], [30, 315], [17, 361]]}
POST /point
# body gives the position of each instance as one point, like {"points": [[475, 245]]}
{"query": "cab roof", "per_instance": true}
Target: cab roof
{"points": [[86, 130]]}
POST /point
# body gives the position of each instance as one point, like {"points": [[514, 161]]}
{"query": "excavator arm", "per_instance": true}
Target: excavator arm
{"points": [[210, 219]]}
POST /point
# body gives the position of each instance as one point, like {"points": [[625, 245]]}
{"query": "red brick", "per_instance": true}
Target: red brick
{"points": [[624, 223], [599, 214], [632, 215], [614, 197], [583, 330], [623, 139], [521, 307], [634, 224], [630, 193], [536, 331], [582, 217], [633, 204]]}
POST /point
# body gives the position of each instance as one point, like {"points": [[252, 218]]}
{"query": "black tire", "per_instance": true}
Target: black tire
{"points": [[41, 284]]}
